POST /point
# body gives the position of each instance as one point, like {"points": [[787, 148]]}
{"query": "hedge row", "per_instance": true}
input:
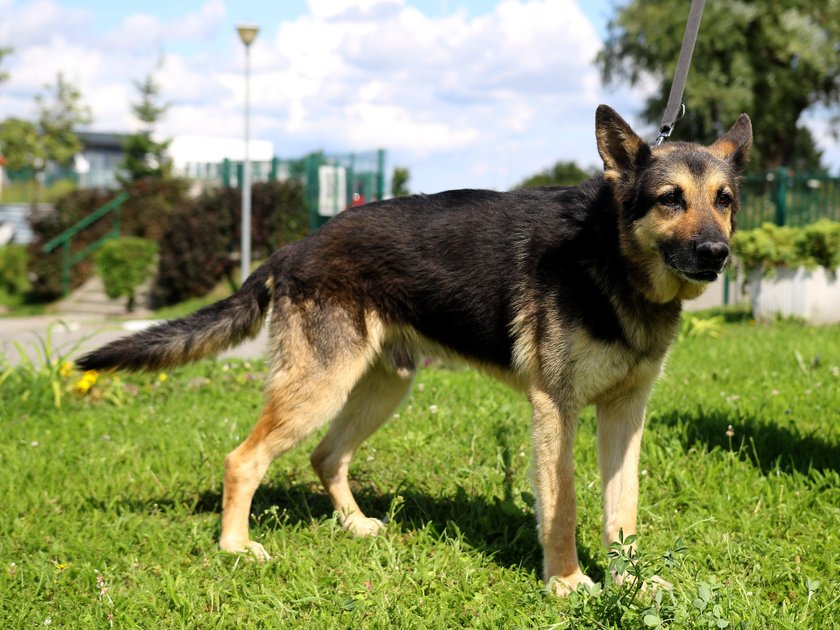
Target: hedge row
{"points": [[771, 247], [198, 237], [13, 275]]}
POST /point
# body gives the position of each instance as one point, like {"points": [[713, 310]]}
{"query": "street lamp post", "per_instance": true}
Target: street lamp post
{"points": [[247, 33]]}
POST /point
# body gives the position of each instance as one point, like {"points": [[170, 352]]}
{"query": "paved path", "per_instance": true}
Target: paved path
{"points": [[71, 335]]}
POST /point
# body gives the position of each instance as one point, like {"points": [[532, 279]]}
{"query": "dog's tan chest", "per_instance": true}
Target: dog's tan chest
{"points": [[598, 369]]}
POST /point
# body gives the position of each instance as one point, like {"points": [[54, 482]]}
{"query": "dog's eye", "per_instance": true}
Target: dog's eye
{"points": [[724, 200], [671, 199]]}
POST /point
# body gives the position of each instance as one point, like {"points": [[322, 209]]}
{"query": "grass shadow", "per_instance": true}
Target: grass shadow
{"points": [[730, 314], [497, 528], [764, 444]]}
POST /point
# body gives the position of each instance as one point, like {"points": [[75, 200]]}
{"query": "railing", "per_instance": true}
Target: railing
{"points": [[785, 198], [331, 182], [64, 240]]}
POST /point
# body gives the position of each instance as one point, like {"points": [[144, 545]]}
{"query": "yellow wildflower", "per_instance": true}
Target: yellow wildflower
{"points": [[162, 377], [66, 369], [83, 385]]}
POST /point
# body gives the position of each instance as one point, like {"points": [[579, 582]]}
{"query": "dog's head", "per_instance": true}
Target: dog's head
{"points": [[678, 203]]}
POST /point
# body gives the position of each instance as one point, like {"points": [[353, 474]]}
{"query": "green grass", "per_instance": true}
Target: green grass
{"points": [[190, 305], [111, 503], [25, 191], [16, 306]]}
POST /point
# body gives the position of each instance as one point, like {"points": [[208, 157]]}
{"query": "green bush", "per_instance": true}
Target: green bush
{"points": [[46, 267], [147, 213], [195, 254], [196, 236], [771, 247], [820, 244], [279, 215], [13, 280], [151, 206], [124, 264]]}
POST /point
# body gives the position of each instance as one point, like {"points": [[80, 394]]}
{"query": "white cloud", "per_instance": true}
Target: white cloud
{"points": [[324, 10], [825, 131], [141, 31], [25, 24], [479, 100], [462, 100], [382, 72], [474, 97]]}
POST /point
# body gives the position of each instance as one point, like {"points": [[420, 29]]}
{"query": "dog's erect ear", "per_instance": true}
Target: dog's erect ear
{"points": [[620, 148], [734, 145]]}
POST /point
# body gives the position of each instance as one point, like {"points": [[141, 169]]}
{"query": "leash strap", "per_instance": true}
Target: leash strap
{"points": [[675, 108]]}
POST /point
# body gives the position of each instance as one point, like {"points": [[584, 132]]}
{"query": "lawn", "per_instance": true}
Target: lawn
{"points": [[111, 502]]}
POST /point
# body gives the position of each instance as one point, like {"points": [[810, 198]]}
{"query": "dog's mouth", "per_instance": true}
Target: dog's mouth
{"points": [[690, 271], [707, 275], [686, 265]]}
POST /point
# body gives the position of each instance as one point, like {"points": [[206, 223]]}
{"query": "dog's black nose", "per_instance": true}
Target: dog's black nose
{"points": [[713, 252]]}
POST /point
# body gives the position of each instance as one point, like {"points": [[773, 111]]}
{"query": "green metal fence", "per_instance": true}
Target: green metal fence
{"points": [[332, 182], [65, 239], [783, 197], [787, 198]]}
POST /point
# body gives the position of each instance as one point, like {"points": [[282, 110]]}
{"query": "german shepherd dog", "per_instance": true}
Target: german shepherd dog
{"points": [[570, 294]]}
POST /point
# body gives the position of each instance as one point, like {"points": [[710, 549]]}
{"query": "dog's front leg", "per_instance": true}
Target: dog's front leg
{"points": [[553, 432], [621, 421], [620, 427]]}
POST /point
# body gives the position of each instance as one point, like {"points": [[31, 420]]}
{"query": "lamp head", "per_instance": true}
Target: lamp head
{"points": [[247, 33]]}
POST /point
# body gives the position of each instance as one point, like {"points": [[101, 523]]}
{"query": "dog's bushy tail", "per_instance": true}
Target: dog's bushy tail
{"points": [[207, 331]]}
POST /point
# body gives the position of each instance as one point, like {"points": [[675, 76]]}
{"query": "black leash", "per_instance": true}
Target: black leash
{"points": [[675, 109]]}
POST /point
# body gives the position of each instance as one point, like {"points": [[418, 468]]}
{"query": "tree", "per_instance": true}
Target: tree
{"points": [[561, 174], [26, 145], [773, 60], [399, 182], [4, 76], [59, 115], [144, 157], [20, 144]]}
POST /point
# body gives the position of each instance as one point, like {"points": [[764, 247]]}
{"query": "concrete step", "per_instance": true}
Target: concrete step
{"points": [[90, 299]]}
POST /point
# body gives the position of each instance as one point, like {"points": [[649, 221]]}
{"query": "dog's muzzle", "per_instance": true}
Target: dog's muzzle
{"points": [[699, 261]]}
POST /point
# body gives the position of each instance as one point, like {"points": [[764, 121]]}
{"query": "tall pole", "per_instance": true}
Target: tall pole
{"points": [[246, 175], [247, 34]]}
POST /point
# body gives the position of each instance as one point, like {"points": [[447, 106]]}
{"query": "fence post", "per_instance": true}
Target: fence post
{"points": [[380, 174], [65, 268], [781, 195], [352, 184], [226, 173], [116, 226], [312, 162]]}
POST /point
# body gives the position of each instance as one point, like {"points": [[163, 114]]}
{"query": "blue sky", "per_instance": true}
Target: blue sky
{"points": [[109, 14], [470, 93]]}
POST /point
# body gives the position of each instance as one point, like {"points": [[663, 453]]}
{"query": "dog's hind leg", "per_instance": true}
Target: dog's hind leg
{"points": [[370, 404], [303, 391]]}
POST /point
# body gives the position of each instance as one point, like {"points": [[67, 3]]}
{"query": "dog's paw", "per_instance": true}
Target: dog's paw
{"points": [[563, 585], [652, 584], [655, 583], [248, 546], [362, 525]]}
